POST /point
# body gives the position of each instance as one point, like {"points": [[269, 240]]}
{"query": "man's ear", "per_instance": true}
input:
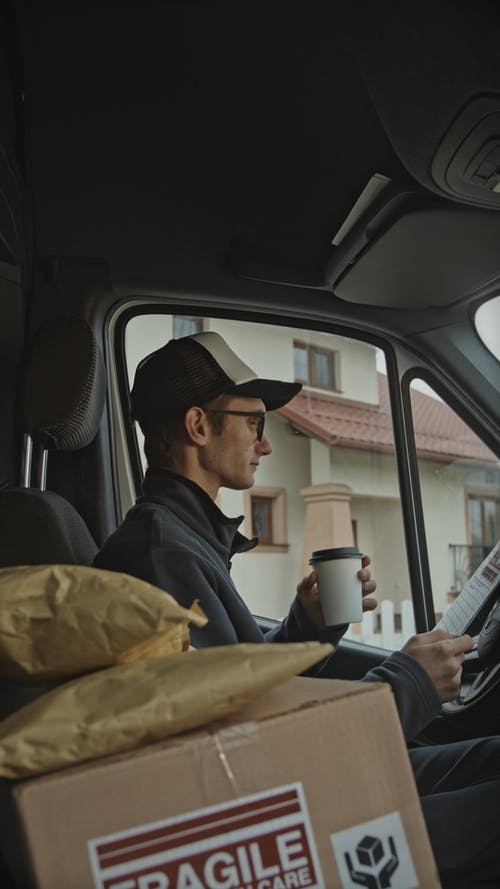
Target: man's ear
{"points": [[197, 426]]}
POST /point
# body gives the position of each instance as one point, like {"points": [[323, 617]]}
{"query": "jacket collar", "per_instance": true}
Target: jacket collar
{"points": [[196, 508]]}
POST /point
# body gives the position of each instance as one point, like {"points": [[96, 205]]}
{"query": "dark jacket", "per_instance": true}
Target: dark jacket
{"points": [[177, 538]]}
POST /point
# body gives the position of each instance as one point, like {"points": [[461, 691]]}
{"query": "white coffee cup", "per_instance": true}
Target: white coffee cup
{"points": [[338, 583]]}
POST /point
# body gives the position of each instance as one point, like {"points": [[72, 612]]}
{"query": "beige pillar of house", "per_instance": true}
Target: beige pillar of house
{"points": [[328, 519]]}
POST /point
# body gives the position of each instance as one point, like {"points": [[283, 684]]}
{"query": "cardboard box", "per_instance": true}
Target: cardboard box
{"points": [[309, 787]]}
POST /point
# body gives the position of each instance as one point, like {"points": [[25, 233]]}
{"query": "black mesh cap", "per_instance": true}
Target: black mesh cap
{"points": [[193, 370]]}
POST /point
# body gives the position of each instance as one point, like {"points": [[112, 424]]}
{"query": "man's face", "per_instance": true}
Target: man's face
{"points": [[233, 454]]}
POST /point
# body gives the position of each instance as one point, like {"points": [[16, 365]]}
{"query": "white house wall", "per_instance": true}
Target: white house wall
{"points": [[366, 472]]}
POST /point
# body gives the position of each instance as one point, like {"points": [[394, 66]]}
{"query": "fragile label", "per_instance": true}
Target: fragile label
{"points": [[262, 841]]}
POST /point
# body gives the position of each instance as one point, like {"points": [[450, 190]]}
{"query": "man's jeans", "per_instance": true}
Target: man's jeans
{"points": [[459, 787]]}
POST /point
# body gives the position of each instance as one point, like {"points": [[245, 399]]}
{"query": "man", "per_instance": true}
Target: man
{"points": [[202, 412]]}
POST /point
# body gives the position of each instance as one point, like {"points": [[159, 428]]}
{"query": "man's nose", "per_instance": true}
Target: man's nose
{"points": [[264, 446]]}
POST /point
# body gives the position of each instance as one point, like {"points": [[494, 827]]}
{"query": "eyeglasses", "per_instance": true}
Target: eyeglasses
{"points": [[260, 416]]}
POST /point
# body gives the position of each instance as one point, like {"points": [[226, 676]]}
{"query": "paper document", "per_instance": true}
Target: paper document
{"points": [[476, 592]]}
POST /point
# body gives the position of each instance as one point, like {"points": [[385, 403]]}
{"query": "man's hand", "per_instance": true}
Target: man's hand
{"points": [[441, 655], [308, 594]]}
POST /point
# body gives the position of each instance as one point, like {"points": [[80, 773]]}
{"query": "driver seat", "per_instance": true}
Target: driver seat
{"points": [[62, 402]]}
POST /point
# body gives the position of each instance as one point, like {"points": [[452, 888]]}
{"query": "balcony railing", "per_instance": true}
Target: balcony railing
{"points": [[465, 561]]}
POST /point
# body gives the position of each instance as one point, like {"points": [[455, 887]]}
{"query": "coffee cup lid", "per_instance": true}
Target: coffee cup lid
{"points": [[339, 552]]}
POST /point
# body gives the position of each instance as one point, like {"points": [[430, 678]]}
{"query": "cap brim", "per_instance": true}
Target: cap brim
{"points": [[274, 393]]}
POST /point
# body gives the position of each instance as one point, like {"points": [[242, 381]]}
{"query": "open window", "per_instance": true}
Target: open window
{"points": [[459, 480], [331, 479]]}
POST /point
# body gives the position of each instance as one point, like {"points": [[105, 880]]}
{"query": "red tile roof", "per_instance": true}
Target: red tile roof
{"points": [[440, 434]]}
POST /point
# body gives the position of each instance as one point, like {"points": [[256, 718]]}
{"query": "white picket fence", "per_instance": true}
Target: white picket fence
{"points": [[387, 637]]}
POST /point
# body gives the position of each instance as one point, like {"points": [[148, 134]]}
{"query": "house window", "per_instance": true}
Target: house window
{"points": [[300, 362], [483, 514], [484, 520], [262, 518], [265, 518], [186, 325], [315, 365]]}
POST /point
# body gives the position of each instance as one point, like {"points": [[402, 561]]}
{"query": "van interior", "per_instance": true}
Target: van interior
{"points": [[329, 167]]}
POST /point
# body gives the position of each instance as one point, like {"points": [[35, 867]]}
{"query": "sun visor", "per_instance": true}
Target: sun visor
{"points": [[430, 256]]}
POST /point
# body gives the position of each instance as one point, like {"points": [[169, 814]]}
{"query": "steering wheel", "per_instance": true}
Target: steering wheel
{"points": [[481, 668]]}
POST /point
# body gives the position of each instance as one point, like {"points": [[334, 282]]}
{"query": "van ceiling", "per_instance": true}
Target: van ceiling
{"points": [[160, 133]]}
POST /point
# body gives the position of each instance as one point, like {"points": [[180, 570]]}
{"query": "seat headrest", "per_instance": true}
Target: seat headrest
{"points": [[64, 385]]}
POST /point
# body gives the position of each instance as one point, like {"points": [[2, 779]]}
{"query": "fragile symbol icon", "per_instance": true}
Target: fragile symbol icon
{"points": [[375, 854], [373, 867]]}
